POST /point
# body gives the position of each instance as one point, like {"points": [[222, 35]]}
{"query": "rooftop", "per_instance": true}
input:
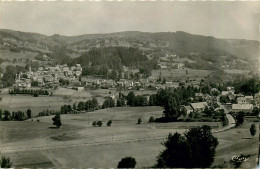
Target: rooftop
{"points": [[242, 106]]}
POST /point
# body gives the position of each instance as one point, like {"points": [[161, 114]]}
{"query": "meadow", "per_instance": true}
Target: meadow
{"points": [[180, 74], [38, 144]]}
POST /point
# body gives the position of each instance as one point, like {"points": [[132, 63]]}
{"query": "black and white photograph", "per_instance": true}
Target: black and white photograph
{"points": [[129, 84]]}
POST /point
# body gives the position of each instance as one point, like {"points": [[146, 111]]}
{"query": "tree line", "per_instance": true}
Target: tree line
{"points": [[6, 115], [32, 92]]}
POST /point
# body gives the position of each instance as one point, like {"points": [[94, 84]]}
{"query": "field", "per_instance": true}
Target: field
{"points": [[59, 98], [236, 71], [36, 144], [179, 74], [235, 142], [36, 104]]}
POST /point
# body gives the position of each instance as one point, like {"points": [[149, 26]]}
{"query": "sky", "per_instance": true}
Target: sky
{"points": [[230, 20]]}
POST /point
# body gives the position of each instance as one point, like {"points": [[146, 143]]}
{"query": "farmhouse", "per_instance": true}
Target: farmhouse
{"points": [[242, 107], [199, 107]]}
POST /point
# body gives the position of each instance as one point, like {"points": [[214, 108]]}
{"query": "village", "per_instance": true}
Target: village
{"points": [[63, 76]]}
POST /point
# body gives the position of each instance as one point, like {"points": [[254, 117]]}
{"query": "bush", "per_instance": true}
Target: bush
{"points": [[127, 162], [139, 121], [151, 119], [5, 162], [94, 123], [109, 123], [253, 130], [99, 123]]}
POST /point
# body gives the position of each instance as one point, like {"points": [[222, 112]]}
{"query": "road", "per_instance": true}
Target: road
{"points": [[231, 120]]}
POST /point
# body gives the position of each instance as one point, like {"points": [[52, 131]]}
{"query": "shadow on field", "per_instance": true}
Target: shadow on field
{"points": [[53, 127], [247, 138]]}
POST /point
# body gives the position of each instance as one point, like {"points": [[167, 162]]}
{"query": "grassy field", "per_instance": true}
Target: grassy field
{"points": [[78, 144], [235, 142], [179, 74], [36, 104], [236, 71], [60, 97]]}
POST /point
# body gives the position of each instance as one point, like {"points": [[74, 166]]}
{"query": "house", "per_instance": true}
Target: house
{"points": [[242, 107], [80, 89], [249, 99], [199, 96], [224, 93], [180, 65], [230, 88], [187, 109], [241, 100], [199, 107], [214, 90], [231, 96]]}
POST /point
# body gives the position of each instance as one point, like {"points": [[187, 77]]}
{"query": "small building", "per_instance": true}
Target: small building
{"points": [[188, 109], [231, 96], [199, 95], [80, 89]]}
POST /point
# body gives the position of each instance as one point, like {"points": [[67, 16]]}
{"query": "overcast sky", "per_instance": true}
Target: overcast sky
{"points": [[219, 19]]}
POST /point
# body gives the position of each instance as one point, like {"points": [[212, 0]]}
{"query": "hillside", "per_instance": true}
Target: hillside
{"points": [[203, 51]]}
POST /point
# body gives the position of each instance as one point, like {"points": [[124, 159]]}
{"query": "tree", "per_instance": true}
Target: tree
{"points": [[139, 121], [56, 120], [202, 145], [127, 162], [99, 123], [6, 115], [1, 114], [109, 123], [94, 123], [74, 106], [177, 153], [109, 102], [196, 149], [151, 119], [5, 162], [253, 130], [240, 118], [130, 99], [94, 103], [29, 113], [171, 110]]}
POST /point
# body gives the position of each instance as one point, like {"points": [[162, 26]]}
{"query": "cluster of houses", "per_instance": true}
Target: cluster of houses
{"points": [[238, 102], [48, 76]]}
